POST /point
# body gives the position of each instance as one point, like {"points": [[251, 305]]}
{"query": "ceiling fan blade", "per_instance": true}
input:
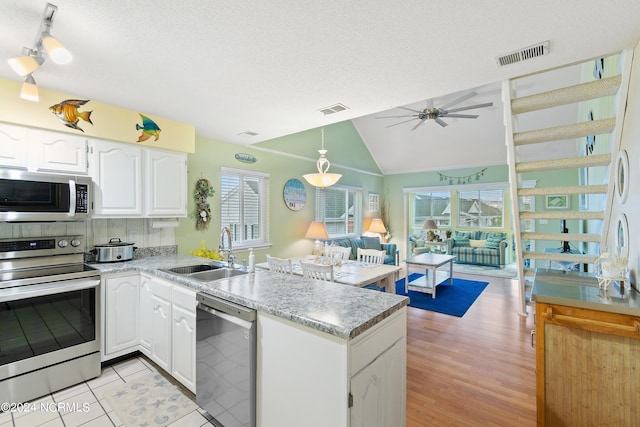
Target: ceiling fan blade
{"points": [[460, 116], [396, 117], [441, 122], [396, 124], [458, 100], [419, 124], [411, 109], [470, 107]]}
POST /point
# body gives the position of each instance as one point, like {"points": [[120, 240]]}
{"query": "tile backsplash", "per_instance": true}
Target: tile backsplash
{"points": [[98, 232]]}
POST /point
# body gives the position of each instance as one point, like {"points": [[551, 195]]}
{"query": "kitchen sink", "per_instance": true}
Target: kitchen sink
{"points": [[208, 276], [188, 269]]}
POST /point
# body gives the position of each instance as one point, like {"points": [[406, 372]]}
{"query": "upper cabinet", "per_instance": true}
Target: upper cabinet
{"points": [[165, 188], [131, 181], [39, 150]]}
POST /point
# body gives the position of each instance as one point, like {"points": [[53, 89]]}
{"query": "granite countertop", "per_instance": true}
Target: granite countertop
{"points": [[340, 310], [576, 289]]}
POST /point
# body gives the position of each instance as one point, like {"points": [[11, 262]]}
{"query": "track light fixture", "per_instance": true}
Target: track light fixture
{"points": [[46, 46]]}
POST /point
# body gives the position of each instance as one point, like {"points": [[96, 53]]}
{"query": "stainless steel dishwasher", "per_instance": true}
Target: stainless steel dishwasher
{"points": [[226, 361]]}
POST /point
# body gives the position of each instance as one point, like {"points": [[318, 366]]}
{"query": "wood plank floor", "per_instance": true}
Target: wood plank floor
{"points": [[477, 370]]}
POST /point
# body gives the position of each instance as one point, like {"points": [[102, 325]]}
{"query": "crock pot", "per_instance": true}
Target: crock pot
{"points": [[115, 250]]}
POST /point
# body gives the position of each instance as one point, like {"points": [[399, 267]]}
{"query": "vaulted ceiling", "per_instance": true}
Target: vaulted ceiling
{"points": [[231, 66]]}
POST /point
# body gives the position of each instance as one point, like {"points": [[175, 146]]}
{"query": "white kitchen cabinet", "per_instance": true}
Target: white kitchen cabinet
{"points": [[165, 184], [183, 359], [116, 169], [336, 380], [120, 304], [155, 320], [13, 146], [59, 152]]}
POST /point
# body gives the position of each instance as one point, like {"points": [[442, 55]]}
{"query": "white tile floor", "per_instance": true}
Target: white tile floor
{"points": [[93, 410]]}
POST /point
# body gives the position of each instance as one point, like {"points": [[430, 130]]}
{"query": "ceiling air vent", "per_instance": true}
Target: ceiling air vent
{"points": [[247, 133], [333, 109], [524, 54]]}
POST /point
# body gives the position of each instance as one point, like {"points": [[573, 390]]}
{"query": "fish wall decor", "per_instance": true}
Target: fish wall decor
{"points": [[67, 112], [149, 129]]}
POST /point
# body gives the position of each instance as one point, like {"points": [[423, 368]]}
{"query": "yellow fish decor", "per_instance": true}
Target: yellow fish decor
{"points": [[67, 112], [149, 129], [201, 193]]}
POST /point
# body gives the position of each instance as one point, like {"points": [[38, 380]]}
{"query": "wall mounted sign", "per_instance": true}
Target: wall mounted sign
{"points": [[294, 194], [245, 158], [462, 179], [622, 176]]}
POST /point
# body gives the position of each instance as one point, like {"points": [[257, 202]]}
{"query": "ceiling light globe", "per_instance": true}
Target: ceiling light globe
{"points": [[56, 51]]}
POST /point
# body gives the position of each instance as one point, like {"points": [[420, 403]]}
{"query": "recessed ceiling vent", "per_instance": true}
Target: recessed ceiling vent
{"points": [[524, 54], [333, 109], [247, 133]]}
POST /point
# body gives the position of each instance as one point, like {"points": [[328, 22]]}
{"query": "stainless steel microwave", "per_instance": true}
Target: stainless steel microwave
{"points": [[35, 197]]}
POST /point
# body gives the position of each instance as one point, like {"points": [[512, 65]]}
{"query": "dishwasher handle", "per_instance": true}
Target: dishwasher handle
{"points": [[220, 305], [235, 320]]}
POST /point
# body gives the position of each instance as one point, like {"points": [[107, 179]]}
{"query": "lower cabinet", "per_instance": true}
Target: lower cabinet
{"points": [[329, 381], [155, 316], [120, 320], [586, 367]]}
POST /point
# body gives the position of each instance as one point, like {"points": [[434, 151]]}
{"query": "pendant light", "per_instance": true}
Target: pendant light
{"points": [[322, 179]]}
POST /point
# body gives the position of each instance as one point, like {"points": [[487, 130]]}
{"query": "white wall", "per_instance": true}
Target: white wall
{"points": [[631, 143]]}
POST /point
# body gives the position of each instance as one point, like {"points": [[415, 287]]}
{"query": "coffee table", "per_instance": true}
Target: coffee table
{"points": [[433, 277]]}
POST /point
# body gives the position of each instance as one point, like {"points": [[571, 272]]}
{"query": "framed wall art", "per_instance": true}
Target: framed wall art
{"points": [[374, 202], [622, 176], [558, 201], [294, 194]]}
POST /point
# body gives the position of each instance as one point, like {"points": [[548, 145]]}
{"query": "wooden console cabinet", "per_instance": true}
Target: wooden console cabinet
{"points": [[588, 367]]}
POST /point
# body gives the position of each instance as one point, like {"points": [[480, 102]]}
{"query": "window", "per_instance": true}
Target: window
{"points": [[481, 208], [340, 208], [244, 206], [436, 206]]}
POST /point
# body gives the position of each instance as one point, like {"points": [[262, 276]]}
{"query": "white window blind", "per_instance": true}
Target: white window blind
{"points": [[340, 208], [244, 206]]}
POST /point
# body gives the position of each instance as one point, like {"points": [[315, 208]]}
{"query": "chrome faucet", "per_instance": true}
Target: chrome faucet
{"points": [[230, 256]]}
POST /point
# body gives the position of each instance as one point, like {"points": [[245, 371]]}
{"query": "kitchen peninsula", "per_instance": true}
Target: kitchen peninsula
{"points": [[321, 346]]}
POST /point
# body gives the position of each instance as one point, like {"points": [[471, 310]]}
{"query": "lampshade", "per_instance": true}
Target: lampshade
{"points": [[377, 226], [29, 90], [57, 52], [24, 65], [322, 179], [316, 230], [430, 224]]}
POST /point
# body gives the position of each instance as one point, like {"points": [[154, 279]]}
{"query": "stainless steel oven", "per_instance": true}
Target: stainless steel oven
{"points": [[49, 316], [26, 196]]}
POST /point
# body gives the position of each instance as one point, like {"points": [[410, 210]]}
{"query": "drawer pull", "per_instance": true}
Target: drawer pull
{"points": [[577, 321]]}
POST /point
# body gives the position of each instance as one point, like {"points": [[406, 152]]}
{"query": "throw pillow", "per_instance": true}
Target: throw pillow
{"points": [[462, 238], [477, 243], [494, 239], [371, 243]]}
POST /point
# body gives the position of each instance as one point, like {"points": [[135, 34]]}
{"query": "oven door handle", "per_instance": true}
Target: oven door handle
{"points": [[51, 288]]}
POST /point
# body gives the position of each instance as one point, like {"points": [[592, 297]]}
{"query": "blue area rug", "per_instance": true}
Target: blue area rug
{"points": [[452, 300]]}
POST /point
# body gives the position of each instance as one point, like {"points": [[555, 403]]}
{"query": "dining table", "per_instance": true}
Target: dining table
{"points": [[352, 272]]}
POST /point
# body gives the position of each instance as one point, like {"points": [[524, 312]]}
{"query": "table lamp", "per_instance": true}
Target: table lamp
{"points": [[429, 224], [377, 226], [317, 231]]}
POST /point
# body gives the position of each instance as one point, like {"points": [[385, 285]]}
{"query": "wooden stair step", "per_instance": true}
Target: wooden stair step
{"points": [[559, 133], [561, 257], [564, 163], [568, 95], [566, 189], [569, 237], [588, 215]]}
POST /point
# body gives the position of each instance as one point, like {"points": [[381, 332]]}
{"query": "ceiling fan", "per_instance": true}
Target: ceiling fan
{"points": [[436, 113]]}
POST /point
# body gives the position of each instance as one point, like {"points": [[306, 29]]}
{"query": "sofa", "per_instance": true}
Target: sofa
{"points": [[478, 247], [393, 254]]}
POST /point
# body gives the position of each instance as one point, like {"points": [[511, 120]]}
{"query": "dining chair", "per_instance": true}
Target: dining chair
{"points": [[342, 252], [280, 265], [317, 271], [371, 256]]}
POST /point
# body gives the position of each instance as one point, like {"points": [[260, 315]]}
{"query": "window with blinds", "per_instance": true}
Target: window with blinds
{"points": [[436, 206], [244, 206], [481, 208], [340, 208]]}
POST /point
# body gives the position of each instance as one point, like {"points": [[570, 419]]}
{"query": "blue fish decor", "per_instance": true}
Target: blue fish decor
{"points": [[149, 128], [67, 112]]}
